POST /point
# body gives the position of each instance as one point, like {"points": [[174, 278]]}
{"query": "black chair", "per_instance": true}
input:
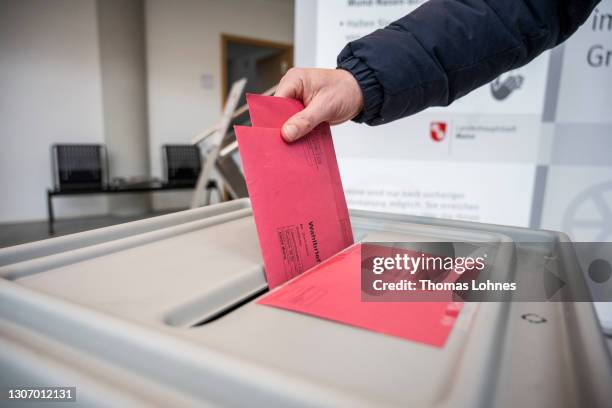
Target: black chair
{"points": [[82, 170], [182, 164], [79, 166]]}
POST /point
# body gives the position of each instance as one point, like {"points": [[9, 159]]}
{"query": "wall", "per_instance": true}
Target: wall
{"points": [[183, 43], [51, 92], [72, 71], [123, 64]]}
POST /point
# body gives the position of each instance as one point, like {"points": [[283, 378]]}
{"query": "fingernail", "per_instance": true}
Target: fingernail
{"points": [[290, 132]]}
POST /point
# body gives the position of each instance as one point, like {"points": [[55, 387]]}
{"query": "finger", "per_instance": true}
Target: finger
{"points": [[303, 122], [290, 86]]}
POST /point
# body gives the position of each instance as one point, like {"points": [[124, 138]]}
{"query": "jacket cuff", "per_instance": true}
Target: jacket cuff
{"points": [[370, 87]]}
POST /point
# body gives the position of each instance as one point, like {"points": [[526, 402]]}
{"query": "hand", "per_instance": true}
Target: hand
{"points": [[329, 95]]}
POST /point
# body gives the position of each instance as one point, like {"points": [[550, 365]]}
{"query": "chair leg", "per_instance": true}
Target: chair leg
{"points": [[50, 215], [207, 196]]}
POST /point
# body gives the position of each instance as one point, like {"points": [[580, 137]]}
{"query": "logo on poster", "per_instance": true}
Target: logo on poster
{"points": [[437, 131], [504, 85]]}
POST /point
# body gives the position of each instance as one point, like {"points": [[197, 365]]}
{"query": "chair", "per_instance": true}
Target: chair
{"points": [[79, 166], [182, 164]]}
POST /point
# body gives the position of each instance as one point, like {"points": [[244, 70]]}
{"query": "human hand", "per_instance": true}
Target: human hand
{"points": [[329, 95]]}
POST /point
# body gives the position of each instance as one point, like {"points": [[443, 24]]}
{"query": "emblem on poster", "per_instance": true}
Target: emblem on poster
{"points": [[437, 131]]}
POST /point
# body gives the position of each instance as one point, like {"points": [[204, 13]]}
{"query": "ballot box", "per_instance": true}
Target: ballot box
{"points": [[163, 312]]}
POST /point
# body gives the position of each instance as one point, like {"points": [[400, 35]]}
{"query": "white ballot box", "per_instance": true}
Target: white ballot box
{"points": [[162, 312]]}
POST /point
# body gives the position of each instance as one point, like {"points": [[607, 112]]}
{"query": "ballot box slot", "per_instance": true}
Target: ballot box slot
{"points": [[232, 308], [212, 303]]}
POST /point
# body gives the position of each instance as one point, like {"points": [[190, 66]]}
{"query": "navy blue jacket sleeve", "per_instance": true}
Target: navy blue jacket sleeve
{"points": [[446, 48]]}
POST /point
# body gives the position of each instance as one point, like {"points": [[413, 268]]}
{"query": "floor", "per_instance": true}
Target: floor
{"points": [[23, 232]]}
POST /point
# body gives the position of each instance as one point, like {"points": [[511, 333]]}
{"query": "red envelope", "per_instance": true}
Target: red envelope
{"points": [[332, 291], [273, 112], [295, 190]]}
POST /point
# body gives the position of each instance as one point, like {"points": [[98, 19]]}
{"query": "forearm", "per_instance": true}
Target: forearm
{"points": [[447, 48]]}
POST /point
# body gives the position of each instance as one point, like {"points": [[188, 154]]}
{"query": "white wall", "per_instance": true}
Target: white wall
{"points": [[183, 42], [63, 67], [50, 91], [123, 65]]}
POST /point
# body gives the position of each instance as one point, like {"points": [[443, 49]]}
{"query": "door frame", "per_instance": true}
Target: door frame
{"points": [[225, 38]]}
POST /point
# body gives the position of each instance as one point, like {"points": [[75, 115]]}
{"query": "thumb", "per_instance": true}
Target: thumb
{"points": [[303, 122]]}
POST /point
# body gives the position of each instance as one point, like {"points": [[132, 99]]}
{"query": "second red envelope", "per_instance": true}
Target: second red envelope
{"points": [[295, 189]]}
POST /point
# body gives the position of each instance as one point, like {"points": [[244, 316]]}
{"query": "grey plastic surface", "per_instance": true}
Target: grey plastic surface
{"points": [[119, 313]]}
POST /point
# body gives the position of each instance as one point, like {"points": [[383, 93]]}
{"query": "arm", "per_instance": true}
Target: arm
{"points": [[447, 48], [436, 54]]}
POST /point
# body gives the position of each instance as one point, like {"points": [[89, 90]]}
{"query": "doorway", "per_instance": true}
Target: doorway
{"points": [[263, 63]]}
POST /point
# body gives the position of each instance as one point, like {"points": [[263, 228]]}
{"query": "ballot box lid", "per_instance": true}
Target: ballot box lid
{"points": [[163, 311]]}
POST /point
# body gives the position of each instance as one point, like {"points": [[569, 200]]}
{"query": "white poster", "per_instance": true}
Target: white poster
{"points": [[469, 149], [476, 159], [578, 201], [440, 189], [585, 93], [341, 21]]}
